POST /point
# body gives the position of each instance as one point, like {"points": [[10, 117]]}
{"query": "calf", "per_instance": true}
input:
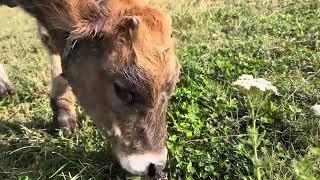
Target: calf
{"points": [[118, 58]]}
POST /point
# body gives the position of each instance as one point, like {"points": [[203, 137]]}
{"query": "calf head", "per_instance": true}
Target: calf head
{"points": [[120, 62]]}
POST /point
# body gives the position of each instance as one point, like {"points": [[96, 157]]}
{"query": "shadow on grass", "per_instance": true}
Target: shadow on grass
{"points": [[27, 150]]}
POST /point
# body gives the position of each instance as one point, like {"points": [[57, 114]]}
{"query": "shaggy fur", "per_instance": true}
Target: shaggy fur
{"points": [[118, 56]]}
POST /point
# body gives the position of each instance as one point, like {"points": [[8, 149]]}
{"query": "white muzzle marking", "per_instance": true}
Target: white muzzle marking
{"points": [[138, 164]]}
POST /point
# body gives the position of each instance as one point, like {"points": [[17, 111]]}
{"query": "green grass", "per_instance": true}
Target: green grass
{"points": [[208, 118]]}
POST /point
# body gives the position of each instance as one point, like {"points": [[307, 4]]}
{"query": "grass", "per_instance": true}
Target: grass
{"points": [[209, 120]]}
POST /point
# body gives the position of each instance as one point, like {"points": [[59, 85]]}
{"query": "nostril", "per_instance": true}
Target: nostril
{"points": [[152, 170], [155, 172]]}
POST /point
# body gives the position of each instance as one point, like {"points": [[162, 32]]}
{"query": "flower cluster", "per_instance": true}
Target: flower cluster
{"points": [[316, 109], [247, 83]]}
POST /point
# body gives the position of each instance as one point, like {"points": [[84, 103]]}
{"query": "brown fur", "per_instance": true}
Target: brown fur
{"points": [[119, 58]]}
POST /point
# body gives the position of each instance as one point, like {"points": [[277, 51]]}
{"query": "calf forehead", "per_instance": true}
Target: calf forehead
{"points": [[155, 55], [158, 66], [159, 74]]}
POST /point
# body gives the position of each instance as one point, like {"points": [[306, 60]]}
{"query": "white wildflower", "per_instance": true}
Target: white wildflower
{"points": [[316, 109], [247, 82]]}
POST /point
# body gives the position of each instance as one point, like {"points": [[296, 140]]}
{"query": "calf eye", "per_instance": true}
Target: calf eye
{"points": [[124, 94]]}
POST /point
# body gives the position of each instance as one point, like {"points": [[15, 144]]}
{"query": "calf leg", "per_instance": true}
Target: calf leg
{"points": [[62, 98], [6, 87]]}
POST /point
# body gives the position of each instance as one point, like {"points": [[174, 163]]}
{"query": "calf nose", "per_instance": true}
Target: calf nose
{"points": [[144, 163]]}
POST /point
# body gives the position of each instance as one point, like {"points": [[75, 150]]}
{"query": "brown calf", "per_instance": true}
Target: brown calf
{"points": [[118, 57]]}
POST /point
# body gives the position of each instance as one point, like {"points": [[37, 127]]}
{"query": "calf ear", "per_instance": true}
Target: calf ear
{"points": [[131, 25]]}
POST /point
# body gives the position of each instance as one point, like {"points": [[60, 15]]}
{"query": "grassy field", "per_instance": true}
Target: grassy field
{"points": [[214, 130]]}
